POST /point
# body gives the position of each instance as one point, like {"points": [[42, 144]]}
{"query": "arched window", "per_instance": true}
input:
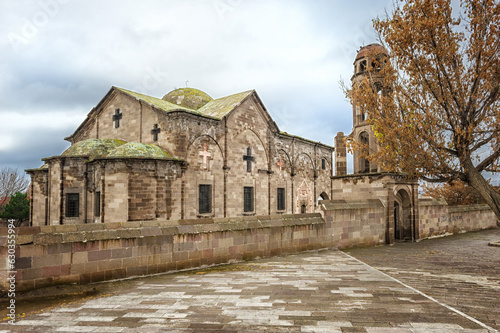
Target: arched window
{"points": [[364, 139]]}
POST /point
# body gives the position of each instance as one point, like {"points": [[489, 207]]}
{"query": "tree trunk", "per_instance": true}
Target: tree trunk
{"points": [[487, 192]]}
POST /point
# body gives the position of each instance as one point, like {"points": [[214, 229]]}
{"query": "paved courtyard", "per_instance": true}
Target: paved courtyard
{"points": [[447, 285]]}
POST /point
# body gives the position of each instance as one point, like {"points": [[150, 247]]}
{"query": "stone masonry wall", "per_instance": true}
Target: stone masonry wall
{"points": [[438, 219], [356, 223], [50, 255]]}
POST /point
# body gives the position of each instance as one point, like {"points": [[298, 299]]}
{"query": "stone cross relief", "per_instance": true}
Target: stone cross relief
{"points": [[155, 132], [281, 164], [206, 156], [116, 118], [249, 159]]}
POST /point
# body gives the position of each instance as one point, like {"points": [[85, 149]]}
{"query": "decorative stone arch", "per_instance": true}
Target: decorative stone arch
{"points": [[404, 219], [259, 139], [296, 161], [280, 152], [205, 136], [192, 145]]}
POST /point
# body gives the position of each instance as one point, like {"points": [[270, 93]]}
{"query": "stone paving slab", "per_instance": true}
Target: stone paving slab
{"points": [[461, 271], [324, 291]]}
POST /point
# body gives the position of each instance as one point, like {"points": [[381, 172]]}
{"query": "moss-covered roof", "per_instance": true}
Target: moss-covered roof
{"points": [[217, 108], [111, 148], [139, 150], [92, 148], [159, 103], [221, 107], [188, 97]]}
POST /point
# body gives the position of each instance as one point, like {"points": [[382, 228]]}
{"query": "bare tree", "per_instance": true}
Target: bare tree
{"points": [[11, 181]]}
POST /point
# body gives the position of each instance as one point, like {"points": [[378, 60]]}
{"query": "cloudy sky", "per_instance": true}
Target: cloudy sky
{"points": [[60, 57]]}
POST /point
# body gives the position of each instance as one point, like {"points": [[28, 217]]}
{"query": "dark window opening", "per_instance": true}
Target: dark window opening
{"points": [[303, 209], [323, 164], [248, 199], [72, 205], [205, 199], [362, 66], [281, 199], [97, 204]]}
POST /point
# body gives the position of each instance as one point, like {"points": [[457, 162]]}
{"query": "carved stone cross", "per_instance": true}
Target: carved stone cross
{"points": [[206, 155], [281, 164], [249, 158], [116, 118], [155, 132]]}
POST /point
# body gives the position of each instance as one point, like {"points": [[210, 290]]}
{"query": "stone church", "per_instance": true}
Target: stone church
{"points": [[188, 156], [184, 156]]}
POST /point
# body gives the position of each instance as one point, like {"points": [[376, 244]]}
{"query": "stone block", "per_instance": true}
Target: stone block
{"points": [[121, 253], [47, 239], [33, 250], [47, 261], [90, 227], [128, 233], [86, 246], [99, 255], [71, 237]]}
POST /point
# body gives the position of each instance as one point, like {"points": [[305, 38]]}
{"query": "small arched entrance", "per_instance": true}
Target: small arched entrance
{"points": [[322, 196], [403, 219]]}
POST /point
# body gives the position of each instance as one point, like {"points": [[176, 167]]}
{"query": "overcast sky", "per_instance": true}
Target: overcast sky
{"points": [[60, 57]]}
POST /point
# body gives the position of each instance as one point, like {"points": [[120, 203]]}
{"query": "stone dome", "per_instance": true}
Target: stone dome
{"points": [[371, 49], [188, 97]]}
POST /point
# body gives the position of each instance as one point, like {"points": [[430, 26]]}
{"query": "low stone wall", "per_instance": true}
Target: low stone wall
{"points": [[438, 219], [84, 253], [356, 223]]}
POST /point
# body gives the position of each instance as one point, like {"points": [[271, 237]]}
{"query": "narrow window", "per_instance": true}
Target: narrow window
{"points": [[248, 199], [97, 204], [205, 199], [323, 164], [281, 199], [72, 204], [303, 209]]}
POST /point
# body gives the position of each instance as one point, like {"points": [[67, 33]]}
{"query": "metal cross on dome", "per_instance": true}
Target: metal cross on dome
{"points": [[249, 158]]}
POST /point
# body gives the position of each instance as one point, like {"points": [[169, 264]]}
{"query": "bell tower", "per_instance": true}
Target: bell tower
{"points": [[367, 65]]}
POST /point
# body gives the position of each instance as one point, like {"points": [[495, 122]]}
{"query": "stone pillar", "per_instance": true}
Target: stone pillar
{"points": [[340, 155]]}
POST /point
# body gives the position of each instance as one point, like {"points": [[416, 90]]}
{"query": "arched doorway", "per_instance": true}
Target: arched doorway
{"points": [[403, 219]]}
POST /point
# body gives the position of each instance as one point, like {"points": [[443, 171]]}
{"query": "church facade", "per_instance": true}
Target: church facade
{"points": [[185, 156]]}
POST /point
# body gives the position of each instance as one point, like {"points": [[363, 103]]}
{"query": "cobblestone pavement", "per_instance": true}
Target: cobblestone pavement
{"points": [[325, 291], [461, 271]]}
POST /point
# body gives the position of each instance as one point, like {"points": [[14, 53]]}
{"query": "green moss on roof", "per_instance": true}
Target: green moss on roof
{"points": [[159, 103], [216, 109], [220, 107], [188, 97], [139, 150], [92, 148]]}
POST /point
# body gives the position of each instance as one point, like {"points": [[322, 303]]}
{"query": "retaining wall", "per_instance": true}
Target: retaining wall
{"points": [[437, 218], [87, 253], [356, 223]]}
